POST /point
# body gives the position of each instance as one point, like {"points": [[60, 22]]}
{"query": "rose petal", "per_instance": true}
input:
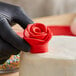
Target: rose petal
{"points": [[36, 30], [33, 37], [41, 36], [32, 41], [29, 30], [49, 35], [35, 34], [42, 27]]}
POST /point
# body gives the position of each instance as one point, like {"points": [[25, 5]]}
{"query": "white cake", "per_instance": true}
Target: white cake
{"points": [[59, 61]]}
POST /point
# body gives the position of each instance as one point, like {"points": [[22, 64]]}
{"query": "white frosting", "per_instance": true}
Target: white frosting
{"points": [[59, 61]]}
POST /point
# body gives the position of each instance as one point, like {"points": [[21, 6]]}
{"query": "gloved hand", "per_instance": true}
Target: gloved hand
{"points": [[10, 42]]}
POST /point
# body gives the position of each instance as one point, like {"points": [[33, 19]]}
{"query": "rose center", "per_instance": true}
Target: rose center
{"points": [[37, 29]]}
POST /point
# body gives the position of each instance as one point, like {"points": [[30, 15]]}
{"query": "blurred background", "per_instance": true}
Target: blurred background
{"points": [[40, 8]]}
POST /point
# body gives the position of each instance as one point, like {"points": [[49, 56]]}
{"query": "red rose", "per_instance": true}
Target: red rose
{"points": [[37, 35]]}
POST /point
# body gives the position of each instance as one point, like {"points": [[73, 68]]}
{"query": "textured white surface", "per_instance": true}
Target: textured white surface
{"points": [[59, 61]]}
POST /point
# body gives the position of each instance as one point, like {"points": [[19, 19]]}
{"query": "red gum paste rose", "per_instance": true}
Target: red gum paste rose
{"points": [[37, 35]]}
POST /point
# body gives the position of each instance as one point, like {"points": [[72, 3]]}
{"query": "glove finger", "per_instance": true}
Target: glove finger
{"points": [[21, 18], [6, 50], [7, 34]]}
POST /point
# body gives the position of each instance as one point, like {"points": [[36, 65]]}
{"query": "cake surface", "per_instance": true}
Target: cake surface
{"points": [[60, 60]]}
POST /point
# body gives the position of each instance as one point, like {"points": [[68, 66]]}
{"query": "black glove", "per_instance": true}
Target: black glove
{"points": [[10, 42]]}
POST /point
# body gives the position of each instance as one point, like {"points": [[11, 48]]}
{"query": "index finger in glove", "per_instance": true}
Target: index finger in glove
{"points": [[7, 34]]}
